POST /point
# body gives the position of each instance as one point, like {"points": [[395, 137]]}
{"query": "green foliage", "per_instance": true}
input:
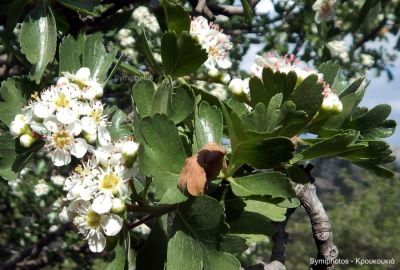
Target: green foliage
{"points": [[181, 55], [38, 38], [208, 124], [160, 142], [13, 101], [198, 226]]}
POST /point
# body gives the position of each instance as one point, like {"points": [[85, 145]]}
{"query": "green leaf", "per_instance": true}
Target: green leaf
{"points": [[248, 11], [119, 127], [96, 58], [120, 261], [268, 210], [178, 19], [373, 123], [292, 122], [183, 102], [161, 143], [143, 92], [273, 184], [70, 54], [7, 157], [330, 70], [13, 101], [330, 147], [143, 45], [252, 226], [263, 154], [208, 124], [233, 244], [38, 38], [162, 98], [308, 96], [181, 55], [82, 6], [198, 227]]}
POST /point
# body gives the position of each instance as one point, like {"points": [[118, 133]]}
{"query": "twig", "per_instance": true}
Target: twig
{"points": [[321, 228], [140, 222]]}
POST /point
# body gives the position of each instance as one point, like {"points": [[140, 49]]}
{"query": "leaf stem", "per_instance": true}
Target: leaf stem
{"points": [[154, 210]]}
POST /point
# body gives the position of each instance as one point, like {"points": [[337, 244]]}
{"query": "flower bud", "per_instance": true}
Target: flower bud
{"points": [[18, 126], [332, 104], [26, 140], [98, 89], [213, 72], [118, 206], [225, 78], [83, 74], [90, 138], [62, 81], [236, 86], [130, 149]]}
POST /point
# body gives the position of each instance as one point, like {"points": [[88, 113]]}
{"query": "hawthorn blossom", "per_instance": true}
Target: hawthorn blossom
{"points": [[367, 60], [94, 226], [331, 101], [95, 123], [324, 10], [84, 81], [214, 41], [123, 151], [338, 48], [62, 142], [110, 183], [143, 16], [239, 87], [41, 188], [57, 180]]}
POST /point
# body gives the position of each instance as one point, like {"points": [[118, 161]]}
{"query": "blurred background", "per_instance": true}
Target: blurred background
{"points": [[362, 207]]}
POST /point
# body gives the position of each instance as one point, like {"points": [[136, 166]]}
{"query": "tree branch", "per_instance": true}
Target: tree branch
{"points": [[321, 228], [200, 7]]}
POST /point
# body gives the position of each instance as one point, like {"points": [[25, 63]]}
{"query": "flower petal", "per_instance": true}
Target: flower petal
{"points": [[80, 207], [89, 125], [79, 147], [104, 136], [43, 109], [96, 241], [111, 224], [66, 116], [102, 203], [61, 157]]}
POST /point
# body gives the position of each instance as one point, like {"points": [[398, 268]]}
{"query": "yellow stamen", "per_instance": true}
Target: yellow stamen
{"points": [[62, 139], [62, 101], [109, 181], [93, 219]]}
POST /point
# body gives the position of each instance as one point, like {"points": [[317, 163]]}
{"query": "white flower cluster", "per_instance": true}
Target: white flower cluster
{"points": [[70, 119], [97, 191], [324, 10], [214, 41], [143, 16], [286, 64], [338, 48], [68, 116]]}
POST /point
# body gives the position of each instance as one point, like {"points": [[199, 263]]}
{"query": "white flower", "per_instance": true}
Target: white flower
{"points": [[81, 184], [216, 43], [143, 16], [63, 144], [94, 225], [61, 100], [324, 10], [57, 180], [123, 151], [41, 188], [85, 82], [95, 123], [367, 60], [338, 48], [110, 183]]}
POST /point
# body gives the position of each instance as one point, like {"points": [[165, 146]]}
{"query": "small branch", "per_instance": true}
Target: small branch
{"points": [[321, 228], [280, 239], [140, 222], [200, 7], [155, 210]]}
